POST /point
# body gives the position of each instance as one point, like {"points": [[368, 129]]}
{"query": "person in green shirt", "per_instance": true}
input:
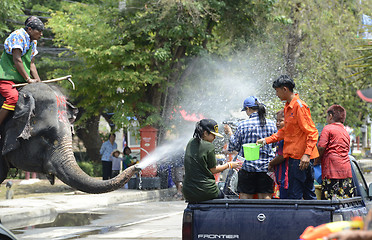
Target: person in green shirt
{"points": [[17, 63], [128, 159], [200, 164]]}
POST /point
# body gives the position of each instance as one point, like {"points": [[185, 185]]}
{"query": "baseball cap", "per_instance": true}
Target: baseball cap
{"points": [[250, 102], [211, 126]]}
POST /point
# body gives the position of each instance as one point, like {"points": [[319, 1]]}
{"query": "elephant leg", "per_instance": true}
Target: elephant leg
{"points": [[4, 169], [3, 114]]}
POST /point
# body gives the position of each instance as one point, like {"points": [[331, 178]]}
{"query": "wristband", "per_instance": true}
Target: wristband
{"points": [[229, 164], [28, 78]]}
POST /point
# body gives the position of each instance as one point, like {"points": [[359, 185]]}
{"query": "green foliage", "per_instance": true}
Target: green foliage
{"points": [[126, 60], [10, 16], [328, 31], [93, 169], [136, 59], [106, 69], [357, 132], [243, 22], [38, 7], [16, 173], [363, 64], [358, 156]]}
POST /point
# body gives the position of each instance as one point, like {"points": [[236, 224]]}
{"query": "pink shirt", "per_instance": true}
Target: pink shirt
{"points": [[336, 142]]}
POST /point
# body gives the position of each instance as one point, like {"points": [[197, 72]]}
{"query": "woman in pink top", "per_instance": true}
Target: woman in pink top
{"points": [[334, 146]]}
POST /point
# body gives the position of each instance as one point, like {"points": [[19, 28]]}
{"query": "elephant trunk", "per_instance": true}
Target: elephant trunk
{"points": [[65, 167]]}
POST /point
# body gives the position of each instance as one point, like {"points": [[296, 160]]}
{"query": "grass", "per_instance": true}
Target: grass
{"points": [[358, 156]]}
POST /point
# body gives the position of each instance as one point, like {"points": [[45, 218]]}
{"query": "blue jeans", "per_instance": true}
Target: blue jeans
{"points": [[283, 193], [300, 182]]}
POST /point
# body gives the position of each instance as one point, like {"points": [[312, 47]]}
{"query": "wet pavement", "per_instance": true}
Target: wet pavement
{"points": [[23, 212], [137, 220]]}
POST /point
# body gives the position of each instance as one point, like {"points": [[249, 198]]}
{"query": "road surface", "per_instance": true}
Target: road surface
{"points": [[138, 220]]}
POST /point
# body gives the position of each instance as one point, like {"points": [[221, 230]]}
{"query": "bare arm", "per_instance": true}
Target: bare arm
{"points": [[278, 159], [321, 152], [351, 235], [17, 59], [304, 161], [220, 168], [33, 71], [317, 161]]}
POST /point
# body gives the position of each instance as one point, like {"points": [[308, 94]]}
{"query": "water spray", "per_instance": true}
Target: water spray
{"points": [[162, 153]]}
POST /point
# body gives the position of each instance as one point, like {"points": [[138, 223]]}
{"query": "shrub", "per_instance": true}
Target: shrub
{"points": [[93, 169], [16, 173]]}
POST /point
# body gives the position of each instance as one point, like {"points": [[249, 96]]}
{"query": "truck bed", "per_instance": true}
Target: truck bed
{"points": [[266, 218]]}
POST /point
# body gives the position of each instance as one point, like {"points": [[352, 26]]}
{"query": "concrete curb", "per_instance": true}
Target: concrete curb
{"points": [[16, 213], [22, 218]]}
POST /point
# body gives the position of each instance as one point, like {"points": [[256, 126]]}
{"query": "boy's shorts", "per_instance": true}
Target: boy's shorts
{"points": [[9, 93], [254, 182]]}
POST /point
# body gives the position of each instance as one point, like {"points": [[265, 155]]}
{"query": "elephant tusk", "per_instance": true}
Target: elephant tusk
{"points": [[72, 83]]}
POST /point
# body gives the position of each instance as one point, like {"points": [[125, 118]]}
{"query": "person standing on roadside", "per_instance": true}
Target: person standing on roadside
{"points": [[334, 146], [178, 171], [128, 159], [17, 63], [106, 149], [200, 164], [116, 163], [253, 178], [300, 138]]}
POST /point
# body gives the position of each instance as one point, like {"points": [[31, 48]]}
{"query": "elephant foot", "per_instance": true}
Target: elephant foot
{"points": [[51, 178]]}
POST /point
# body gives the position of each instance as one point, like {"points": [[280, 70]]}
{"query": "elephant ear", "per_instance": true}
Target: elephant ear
{"points": [[19, 127]]}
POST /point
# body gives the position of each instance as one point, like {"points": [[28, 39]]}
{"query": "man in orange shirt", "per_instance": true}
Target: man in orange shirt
{"points": [[300, 138]]}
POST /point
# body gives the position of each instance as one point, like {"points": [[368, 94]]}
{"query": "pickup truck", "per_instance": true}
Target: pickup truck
{"points": [[282, 219]]}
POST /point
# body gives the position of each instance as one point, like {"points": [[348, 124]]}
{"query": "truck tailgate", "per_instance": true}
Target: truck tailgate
{"points": [[259, 219]]}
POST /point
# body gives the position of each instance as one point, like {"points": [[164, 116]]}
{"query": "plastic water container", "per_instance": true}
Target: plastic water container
{"points": [[251, 151]]}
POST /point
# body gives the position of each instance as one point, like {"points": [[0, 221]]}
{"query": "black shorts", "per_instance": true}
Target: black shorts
{"points": [[254, 182]]}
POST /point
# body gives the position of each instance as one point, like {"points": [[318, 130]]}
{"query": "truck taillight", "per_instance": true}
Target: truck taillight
{"points": [[187, 225]]}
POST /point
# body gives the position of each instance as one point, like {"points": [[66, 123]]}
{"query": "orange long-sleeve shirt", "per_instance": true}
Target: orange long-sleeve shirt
{"points": [[299, 132]]}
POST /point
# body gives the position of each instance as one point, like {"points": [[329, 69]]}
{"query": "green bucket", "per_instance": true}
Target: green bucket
{"points": [[251, 151]]}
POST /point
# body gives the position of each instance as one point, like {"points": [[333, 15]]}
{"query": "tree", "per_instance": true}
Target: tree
{"points": [[10, 15], [363, 63], [131, 61], [321, 36], [136, 58]]}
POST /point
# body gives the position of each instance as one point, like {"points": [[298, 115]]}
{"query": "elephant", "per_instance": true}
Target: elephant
{"points": [[38, 138]]}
